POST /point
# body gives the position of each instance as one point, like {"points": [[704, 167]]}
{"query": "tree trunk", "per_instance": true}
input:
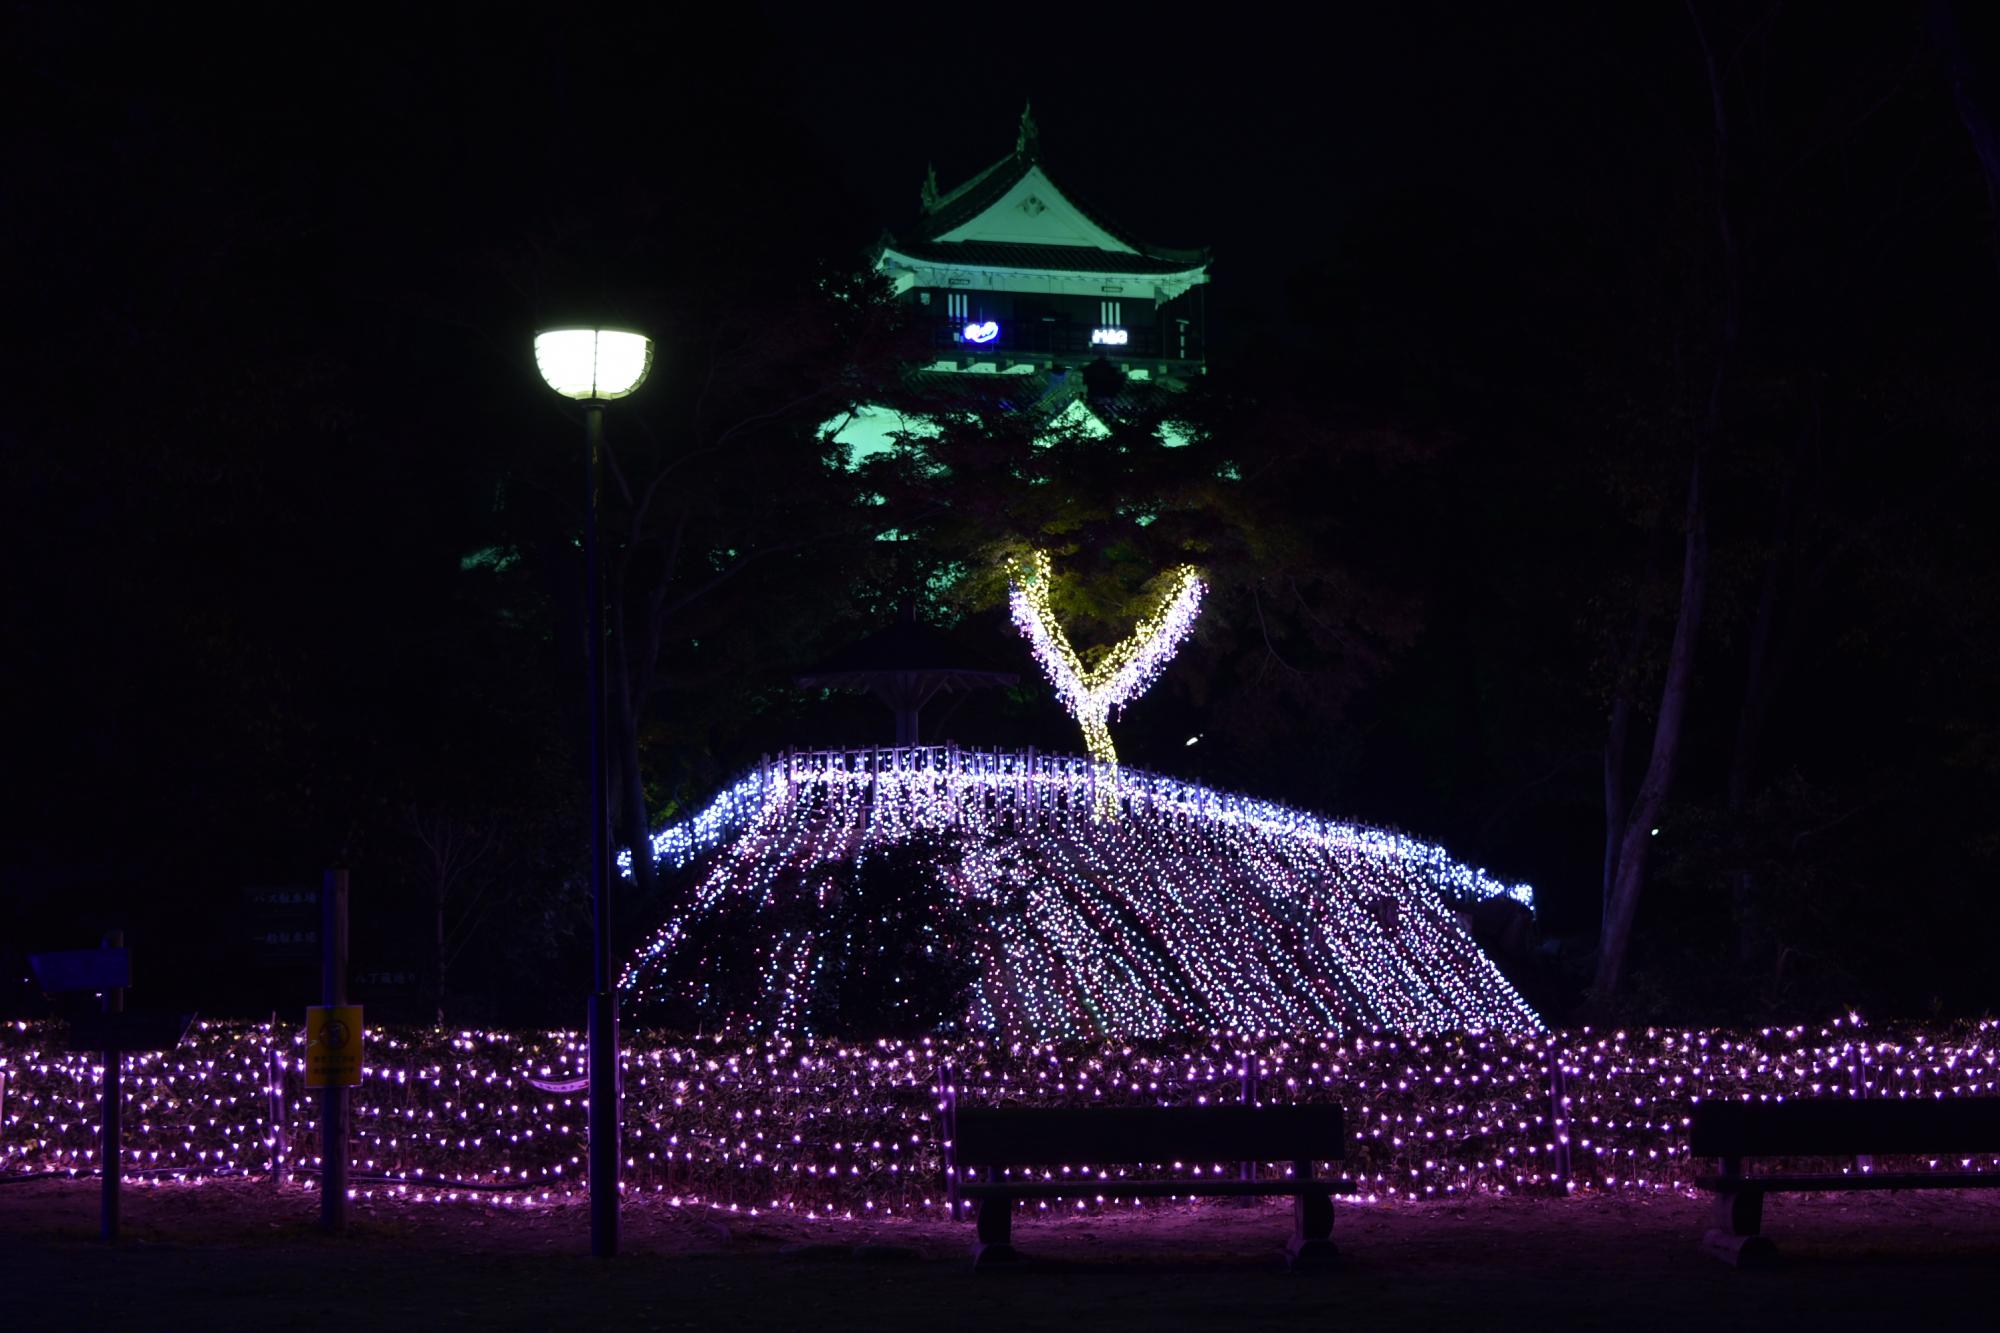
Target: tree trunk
{"points": [[1630, 875], [1618, 745], [1762, 670], [1629, 879], [1617, 800], [1974, 78]]}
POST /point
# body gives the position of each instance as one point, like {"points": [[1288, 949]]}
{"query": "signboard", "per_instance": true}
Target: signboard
{"points": [[1106, 336], [283, 924], [392, 991], [137, 1031], [386, 983], [82, 969], [980, 333], [333, 1046]]}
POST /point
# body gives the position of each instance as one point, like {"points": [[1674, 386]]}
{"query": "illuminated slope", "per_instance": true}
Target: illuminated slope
{"points": [[1192, 910]]}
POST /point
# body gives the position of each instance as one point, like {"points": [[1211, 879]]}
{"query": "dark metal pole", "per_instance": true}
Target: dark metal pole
{"points": [[603, 1053], [333, 1101], [110, 1144]]}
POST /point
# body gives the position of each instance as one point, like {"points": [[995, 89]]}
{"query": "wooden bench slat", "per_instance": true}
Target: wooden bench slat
{"points": [[1828, 1127], [1842, 1126], [1078, 1188], [1050, 1136], [1831, 1182], [985, 1139]]}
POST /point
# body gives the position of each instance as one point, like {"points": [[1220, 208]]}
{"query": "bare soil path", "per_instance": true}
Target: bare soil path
{"points": [[237, 1255]]}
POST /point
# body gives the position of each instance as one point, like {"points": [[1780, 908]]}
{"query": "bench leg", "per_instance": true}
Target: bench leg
{"points": [[996, 1232], [1735, 1233], [1311, 1245]]}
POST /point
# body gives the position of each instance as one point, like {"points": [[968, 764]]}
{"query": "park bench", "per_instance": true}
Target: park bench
{"points": [[1831, 1127], [989, 1139]]}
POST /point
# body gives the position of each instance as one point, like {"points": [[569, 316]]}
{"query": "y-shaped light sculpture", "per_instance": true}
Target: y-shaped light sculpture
{"points": [[1124, 673]]}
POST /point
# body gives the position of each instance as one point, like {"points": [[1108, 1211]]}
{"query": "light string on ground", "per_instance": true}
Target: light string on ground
{"points": [[852, 1128]]}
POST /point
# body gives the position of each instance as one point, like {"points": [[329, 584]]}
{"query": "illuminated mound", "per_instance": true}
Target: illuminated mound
{"points": [[848, 890]]}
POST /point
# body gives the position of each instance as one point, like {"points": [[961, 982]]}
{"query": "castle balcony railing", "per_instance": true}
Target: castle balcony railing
{"points": [[1066, 342]]}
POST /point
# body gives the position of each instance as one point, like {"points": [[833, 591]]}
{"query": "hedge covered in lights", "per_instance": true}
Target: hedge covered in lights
{"points": [[1191, 910], [847, 1128]]}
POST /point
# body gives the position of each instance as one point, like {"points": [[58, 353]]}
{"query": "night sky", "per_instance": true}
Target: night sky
{"points": [[272, 284]]}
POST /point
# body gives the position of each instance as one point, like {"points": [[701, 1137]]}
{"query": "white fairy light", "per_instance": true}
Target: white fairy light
{"points": [[1123, 674], [835, 1129], [1198, 909]]}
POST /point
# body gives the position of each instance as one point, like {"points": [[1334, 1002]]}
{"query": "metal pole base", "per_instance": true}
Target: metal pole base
{"points": [[604, 1135], [333, 1160]]}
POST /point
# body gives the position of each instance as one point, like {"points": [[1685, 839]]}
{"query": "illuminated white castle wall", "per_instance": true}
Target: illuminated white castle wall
{"points": [[1018, 285], [1192, 910]]}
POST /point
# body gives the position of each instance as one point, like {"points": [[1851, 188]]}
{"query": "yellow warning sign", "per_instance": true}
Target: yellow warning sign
{"points": [[333, 1046]]}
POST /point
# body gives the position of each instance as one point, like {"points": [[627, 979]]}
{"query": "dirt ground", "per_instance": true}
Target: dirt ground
{"points": [[228, 1255]]}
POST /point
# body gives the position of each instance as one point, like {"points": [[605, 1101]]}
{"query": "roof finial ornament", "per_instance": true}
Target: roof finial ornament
{"points": [[929, 194], [1028, 143]]}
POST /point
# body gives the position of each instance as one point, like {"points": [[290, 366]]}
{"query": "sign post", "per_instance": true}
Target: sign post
{"points": [[340, 1060], [111, 1150], [111, 1034]]}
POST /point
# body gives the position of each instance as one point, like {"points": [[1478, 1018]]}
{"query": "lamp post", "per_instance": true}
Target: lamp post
{"points": [[595, 366]]}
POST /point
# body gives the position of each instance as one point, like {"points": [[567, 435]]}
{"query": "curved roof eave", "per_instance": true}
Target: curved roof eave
{"points": [[1191, 275]]}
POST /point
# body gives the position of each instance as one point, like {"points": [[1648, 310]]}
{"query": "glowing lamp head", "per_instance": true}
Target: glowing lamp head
{"points": [[593, 364]]}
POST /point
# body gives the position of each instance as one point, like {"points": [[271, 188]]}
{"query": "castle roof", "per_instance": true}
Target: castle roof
{"points": [[1013, 216]]}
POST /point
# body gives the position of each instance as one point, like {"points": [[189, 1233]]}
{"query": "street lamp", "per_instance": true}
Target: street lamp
{"points": [[595, 366]]}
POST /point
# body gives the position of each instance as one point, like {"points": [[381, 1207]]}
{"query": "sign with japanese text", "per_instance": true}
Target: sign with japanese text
{"points": [[283, 924], [333, 1046]]}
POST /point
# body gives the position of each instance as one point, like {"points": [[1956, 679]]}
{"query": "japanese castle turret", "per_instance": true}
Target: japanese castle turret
{"points": [[1029, 302], [1017, 276]]}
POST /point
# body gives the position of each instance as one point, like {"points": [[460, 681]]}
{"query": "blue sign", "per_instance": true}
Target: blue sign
{"points": [[981, 333], [82, 969]]}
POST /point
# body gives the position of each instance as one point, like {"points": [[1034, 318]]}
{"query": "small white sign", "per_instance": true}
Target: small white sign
{"points": [[1107, 337]]}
